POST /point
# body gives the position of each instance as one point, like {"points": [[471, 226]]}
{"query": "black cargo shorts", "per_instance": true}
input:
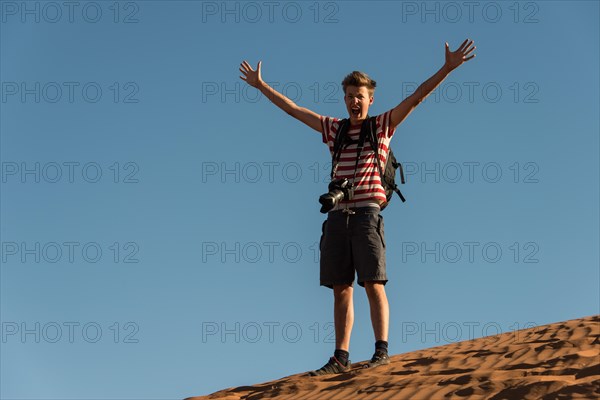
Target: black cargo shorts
{"points": [[353, 243]]}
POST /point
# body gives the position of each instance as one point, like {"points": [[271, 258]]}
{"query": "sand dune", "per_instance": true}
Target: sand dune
{"points": [[555, 361]]}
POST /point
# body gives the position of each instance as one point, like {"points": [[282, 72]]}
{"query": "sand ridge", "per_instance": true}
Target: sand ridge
{"points": [[554, 361]]}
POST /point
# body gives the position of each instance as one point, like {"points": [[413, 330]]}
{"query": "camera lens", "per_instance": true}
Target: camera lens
{"points": [[329, 200], [339, 189]]}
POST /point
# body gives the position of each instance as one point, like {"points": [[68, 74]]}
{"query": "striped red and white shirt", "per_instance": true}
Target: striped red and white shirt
{"points": [[367, 189]]}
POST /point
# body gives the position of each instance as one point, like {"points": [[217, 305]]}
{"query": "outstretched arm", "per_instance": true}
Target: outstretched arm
{"points": [[253, 78], [453, 60]]}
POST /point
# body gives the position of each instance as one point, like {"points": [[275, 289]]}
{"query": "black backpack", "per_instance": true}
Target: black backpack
{"points": [[368, 131]]}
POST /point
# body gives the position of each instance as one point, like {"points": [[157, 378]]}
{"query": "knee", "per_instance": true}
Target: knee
{"points": [[342, 292], [375, 288]]}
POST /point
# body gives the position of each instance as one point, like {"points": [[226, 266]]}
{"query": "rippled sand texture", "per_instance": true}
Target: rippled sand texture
{"points": [[555, 361]]}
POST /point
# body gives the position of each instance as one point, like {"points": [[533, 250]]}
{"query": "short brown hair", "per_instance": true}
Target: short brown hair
{"points": [[358, 79]]}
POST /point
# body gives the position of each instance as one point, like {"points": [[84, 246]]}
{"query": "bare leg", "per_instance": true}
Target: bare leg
{"points": [[343, 314], [380, 309]]}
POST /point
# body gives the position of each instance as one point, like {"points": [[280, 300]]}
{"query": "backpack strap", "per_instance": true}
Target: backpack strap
{"points": [[364, 132], [340, 137], [375, 145], [342, 140]]}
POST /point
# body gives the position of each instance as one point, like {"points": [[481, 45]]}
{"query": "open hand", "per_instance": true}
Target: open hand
{"points": [[456, 58], [251, 76]]}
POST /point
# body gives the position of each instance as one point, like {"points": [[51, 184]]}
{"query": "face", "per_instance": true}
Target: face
{"points": [[357, 103]]}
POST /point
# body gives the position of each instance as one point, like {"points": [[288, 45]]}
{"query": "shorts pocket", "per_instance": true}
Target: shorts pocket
{"points": [[322, 235], [381, 230]]}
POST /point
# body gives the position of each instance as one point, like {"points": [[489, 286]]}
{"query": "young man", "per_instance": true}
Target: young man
{"points": [[352, 239]]}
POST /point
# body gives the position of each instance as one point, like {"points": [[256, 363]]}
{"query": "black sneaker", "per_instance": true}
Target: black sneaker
{"points": [[334, 366], [379, 358]]}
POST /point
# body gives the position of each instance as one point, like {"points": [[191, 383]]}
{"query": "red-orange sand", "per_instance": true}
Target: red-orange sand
{"points": [[555, 361]]}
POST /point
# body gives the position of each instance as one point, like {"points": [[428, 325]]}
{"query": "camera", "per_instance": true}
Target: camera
{"points": [[339, 189]]}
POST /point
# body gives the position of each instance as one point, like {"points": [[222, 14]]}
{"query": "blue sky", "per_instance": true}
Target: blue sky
{"points": [[160, 218]]}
